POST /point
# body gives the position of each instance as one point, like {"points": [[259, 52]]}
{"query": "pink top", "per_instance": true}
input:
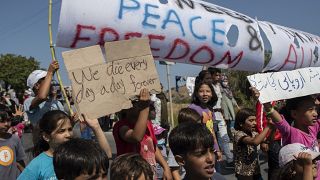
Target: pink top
{"points": [[293, 135]]}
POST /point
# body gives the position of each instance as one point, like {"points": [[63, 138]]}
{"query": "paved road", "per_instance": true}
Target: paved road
{"points": [[228, 174]]}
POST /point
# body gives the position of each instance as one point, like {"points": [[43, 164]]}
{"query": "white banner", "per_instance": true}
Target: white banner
{"points": [[182, 31], [286, 84], [291, 49]]}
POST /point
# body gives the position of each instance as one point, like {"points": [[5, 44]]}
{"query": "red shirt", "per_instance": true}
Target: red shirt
{"points": [[126, 147], [262, 121]]}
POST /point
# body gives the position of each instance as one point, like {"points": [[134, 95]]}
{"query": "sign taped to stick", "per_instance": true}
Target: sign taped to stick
{"points": [[286, 84], [101, 88]]}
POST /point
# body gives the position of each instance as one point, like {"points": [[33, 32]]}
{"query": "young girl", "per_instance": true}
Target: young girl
{"points": [[135, 134], [297, 162], [306, 125], [55, 127], [245, 145], [203, 99]]}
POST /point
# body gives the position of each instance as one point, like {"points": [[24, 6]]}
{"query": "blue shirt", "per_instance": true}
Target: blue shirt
{"points": [[39, 168], [35, 114]]}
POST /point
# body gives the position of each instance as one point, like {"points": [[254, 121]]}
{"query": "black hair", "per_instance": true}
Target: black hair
{"points": [[188, 115], [47, 124], [195, 97], [130, 166], [188, 137], [295, 103], [4, 116], [201, 76], [241, 117], [214, 70], [286, 172], [79, 156]]}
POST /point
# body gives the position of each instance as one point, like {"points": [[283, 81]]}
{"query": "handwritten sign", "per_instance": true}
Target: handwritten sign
{"points": [[182, 31], [291, 49], [101, 88], [286, 84]]}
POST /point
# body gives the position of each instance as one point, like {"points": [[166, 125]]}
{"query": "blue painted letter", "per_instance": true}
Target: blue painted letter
{"points": [[176, 21], [215, 31], [192, 31], [147, 14], [123, 7]]}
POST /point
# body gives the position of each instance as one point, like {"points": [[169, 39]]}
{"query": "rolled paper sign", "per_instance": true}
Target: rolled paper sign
{"points": [[181, 31]]}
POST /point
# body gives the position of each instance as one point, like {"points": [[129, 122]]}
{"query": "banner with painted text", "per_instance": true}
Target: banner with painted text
{"points": [[182, 31], [275, 86], [100, 88], [290, 48]]}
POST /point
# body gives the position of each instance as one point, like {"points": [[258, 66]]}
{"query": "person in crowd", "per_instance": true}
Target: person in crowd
{"points": [[203, 98], [12, 154], [134, 134], [80, 159], [272, 144], [161, 134], [55, 127], [192, 146], [297, 162], [227, 104], [245, 143], [131, 166], [221, 127], [36, 106], [164, 109], [302, 110]]}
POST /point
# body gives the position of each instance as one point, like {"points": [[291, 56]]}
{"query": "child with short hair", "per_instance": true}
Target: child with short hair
{"points": [[192, 145], [245, 143], [11, 150], [131, 166], [80, 158], [297, 162]]}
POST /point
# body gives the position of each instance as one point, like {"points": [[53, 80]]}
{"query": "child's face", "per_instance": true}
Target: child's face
{"points": [[200, 163], [5, 125], [61, 134], [216, 77], [249, 124], [204, 93], [306, 113]]}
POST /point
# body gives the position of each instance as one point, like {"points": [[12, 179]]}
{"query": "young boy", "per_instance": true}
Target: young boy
{"points": [[80, 159], [192, 145], [11, 150]]}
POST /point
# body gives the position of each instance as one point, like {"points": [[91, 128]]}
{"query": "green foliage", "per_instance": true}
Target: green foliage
{"points": [[15, 69]]}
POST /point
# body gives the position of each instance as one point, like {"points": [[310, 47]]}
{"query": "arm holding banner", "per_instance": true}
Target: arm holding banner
{"points": [[272, 113], [136, 134]]}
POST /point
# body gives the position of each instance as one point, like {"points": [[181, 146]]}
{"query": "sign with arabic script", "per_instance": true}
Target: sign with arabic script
{"points": [[286, 84]]}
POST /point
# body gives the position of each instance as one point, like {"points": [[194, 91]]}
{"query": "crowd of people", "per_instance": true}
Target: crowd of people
{"points": [[213, 133]]}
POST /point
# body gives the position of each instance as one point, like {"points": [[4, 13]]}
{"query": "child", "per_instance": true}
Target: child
{"points": [[192, 145], [246, 140], [160, 134], [56, 129], [189, 115], [302, 110], [80, 159], [203, 98], [135, 134], [11, 150], [297, 162], [131, 166]]}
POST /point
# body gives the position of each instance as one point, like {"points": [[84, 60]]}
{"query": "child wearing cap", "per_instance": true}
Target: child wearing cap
{"points": [[297, 162]]}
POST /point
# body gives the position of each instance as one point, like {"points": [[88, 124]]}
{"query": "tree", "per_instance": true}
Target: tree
{"points": [[14, 70]]}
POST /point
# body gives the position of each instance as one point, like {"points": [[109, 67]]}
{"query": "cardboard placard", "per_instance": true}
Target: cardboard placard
{"points": [[101, 88]]}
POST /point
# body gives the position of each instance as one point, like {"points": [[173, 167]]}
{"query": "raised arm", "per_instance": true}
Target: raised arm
{"points": [[257, 139], [270, 111], [136, 134], [45, 85], [101, 138]]}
